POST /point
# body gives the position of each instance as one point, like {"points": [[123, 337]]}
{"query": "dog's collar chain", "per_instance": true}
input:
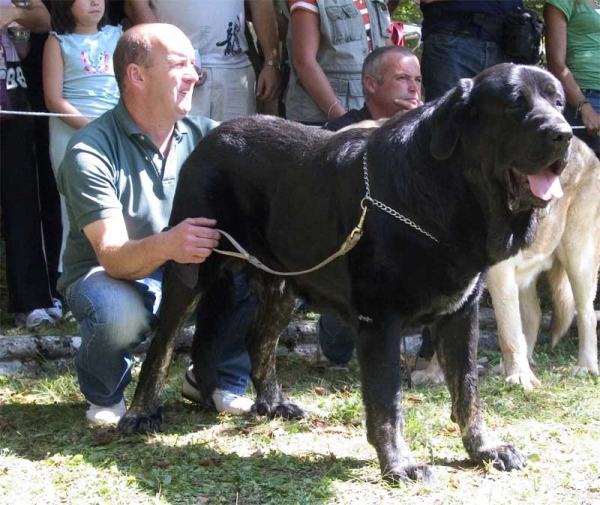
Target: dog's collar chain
{"points": [[394, 213]]}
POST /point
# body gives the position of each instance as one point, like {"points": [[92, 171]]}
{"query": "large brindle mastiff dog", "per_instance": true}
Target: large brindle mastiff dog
{"points": [[467, 172]]}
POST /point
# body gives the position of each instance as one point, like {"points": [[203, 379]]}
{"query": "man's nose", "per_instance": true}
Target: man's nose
{"points": [[191, 74], [413, 84]]}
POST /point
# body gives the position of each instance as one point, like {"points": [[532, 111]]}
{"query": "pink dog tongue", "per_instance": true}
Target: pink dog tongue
{"points": [[545, 185]]}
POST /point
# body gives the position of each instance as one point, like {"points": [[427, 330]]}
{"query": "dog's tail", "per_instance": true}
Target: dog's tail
{"points": [[563, 303]]}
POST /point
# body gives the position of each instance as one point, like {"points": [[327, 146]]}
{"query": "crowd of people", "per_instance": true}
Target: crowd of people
{"points": [[132, 86]]}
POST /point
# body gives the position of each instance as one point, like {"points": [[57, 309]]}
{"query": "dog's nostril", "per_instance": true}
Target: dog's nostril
{"points": [[561, 134]]}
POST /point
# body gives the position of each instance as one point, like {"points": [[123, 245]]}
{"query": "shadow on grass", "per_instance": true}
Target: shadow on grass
{"points": [[179, 472]]}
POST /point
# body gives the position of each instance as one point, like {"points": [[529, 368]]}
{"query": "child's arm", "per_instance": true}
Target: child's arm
{"points": [[53, 69]]}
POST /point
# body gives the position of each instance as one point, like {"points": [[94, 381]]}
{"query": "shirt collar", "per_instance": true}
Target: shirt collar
{"points": [[131, 128]]}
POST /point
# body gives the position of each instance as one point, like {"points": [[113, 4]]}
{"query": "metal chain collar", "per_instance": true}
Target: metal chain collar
{"points": [[387, 209]]}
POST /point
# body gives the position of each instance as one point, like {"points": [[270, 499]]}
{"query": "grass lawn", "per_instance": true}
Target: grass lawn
{"points": [[49, 455]]}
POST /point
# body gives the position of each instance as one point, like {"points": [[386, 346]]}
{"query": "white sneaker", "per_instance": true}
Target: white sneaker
{"points": [[56, 311], [33, 319], [189, 388], [97, 414], [227, 402]]}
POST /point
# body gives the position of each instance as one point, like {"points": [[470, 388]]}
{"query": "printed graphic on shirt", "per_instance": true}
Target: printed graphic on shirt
{"points": [[2, 63], [14, 76], [232, 42], [95, 62]]}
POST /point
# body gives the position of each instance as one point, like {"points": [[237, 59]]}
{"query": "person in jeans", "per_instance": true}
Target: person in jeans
{"points": [[460, 39], [118, 177]]}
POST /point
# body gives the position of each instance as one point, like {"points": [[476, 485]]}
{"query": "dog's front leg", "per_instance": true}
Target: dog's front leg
{"points": [[275, 305], [145, 415], [455, 338], [379, 357]]}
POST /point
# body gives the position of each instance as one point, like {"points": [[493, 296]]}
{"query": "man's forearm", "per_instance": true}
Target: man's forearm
{"points": [[265, 24], [191, 241]]}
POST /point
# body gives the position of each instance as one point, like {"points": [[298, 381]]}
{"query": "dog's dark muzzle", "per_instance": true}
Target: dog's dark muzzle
{"points": [[558, 139], [532, 182]]}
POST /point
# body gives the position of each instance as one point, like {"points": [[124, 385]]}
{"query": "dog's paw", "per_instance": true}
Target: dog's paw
{"points": [[141, 422], [504, 457], [410, 473], [284, 409], [525, 379], [424, 377], [584, 369]]}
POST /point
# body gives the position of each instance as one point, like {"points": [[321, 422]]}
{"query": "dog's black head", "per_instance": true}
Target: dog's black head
{"points": [[508, 117], [506, 128]]}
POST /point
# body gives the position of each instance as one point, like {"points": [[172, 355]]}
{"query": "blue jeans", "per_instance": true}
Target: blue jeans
{"points": [[233, 370], [115, 316], [593, 95], [336, 339], [449, 57]]}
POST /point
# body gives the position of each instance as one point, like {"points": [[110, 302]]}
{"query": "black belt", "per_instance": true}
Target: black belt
{"points": [[491, 23]]}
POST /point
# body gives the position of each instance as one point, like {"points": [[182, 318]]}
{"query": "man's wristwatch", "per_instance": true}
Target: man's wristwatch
{"points": [[272, 63]]}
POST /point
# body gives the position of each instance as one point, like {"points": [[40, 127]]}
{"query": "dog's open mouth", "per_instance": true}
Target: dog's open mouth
{"points": [[533, 191]]}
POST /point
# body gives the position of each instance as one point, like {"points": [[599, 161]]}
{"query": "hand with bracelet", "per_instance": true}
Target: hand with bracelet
{"points": [[589, 117], [268, 84]]}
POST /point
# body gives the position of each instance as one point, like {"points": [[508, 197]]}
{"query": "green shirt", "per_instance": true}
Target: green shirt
{"points": [[113, 168], [583, 41]]}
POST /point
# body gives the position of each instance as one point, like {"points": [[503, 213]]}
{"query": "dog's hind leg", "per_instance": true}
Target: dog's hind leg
{"points": [[581, 263], [456, 337], [275, 305], [378, 347], [563, 303], [145, 415]]}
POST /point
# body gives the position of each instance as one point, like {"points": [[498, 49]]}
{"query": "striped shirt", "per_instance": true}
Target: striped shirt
{"points": [[311, 6]]}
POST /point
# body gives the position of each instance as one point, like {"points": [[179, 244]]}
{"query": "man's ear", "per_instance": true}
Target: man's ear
{"points": [[135, 75], [369, 84]]}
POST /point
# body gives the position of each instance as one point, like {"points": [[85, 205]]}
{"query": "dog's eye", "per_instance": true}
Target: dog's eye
{"points": [[517, 105]]}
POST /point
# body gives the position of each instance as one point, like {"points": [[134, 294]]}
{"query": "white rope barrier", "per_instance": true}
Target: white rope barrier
{"points": [[41, 114]]}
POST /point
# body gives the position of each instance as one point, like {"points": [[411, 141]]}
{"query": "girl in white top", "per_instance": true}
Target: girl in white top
{"points": [[78, 73]]}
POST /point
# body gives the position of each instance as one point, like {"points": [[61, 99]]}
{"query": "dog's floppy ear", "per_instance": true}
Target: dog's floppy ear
{"points": [[445, 128]]}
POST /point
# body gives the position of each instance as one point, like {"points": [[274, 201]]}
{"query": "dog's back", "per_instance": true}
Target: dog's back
{"points": [[266, 180]]}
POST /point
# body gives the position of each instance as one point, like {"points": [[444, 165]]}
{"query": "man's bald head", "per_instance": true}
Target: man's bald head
{"points": [[139, 45]]}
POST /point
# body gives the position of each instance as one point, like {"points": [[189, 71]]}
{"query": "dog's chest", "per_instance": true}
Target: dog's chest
{"points": [[448, 304]]}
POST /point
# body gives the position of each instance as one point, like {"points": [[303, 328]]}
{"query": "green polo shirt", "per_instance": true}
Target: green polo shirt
{"points": [[113, 168]]}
